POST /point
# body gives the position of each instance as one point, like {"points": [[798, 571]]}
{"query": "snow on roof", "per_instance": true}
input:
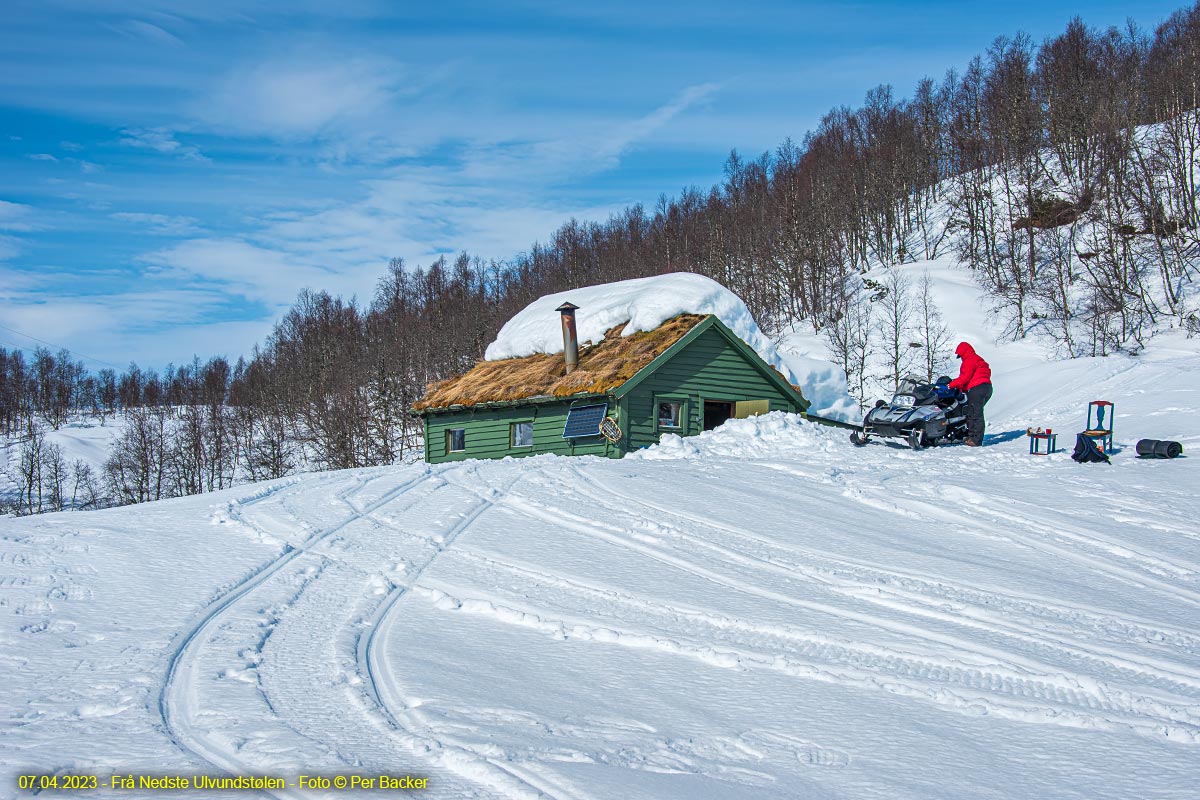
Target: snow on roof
{"points": [[645, 303]]}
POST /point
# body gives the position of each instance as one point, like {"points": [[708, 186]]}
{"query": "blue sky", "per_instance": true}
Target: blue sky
{"points": [[173, 172]]}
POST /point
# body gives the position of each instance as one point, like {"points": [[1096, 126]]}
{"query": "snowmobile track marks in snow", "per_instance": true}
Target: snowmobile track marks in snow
{"points": [[1173, 677], [1073, 697], [982, 609], [974, 609], [1142, 570], [1003, 691], [177, 698], [382, 686]]}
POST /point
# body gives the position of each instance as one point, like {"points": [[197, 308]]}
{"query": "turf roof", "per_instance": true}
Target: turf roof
{"points": [[602, 367]]}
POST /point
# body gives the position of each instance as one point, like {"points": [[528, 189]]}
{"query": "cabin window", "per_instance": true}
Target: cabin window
{"points": [[456, 440], [670, 414], [520, 434]]}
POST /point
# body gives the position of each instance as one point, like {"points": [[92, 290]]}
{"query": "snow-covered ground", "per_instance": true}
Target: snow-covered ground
{"points": [[762, 611]]}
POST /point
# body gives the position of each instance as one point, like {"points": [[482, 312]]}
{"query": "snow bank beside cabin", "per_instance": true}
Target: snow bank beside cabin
{"points": [[649, 302], [774, 436]]}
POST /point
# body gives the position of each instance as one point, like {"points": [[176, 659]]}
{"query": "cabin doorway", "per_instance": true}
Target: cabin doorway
{"points": [[716, 412]]}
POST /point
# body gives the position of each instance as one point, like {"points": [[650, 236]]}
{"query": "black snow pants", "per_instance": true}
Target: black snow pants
{"points": [[977, 397]]}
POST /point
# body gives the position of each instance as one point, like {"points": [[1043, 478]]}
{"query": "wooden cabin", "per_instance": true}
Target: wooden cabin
{"points": [[690, 374]]}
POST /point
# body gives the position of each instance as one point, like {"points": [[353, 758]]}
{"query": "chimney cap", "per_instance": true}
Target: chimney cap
{"points": [[567, 306]]}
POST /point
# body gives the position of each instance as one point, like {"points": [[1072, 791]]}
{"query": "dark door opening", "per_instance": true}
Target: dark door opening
{"points": [[716, 412]]}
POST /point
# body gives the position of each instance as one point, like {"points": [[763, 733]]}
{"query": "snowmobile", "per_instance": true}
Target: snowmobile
{"points": [[923, 414]]}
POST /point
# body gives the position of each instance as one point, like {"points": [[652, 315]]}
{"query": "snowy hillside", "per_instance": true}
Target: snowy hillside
{"points": [[83, 439], [1026, 372], [762, 611]]}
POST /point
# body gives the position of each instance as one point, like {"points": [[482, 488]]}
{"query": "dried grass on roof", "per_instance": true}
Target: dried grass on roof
{"points": [[602, 367]]}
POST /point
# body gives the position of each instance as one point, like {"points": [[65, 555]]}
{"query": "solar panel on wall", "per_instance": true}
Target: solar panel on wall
{"points": [[584, 420]]}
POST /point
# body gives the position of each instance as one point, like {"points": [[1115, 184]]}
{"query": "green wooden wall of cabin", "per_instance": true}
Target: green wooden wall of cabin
{"points": [[709, 368], [488, 433]]}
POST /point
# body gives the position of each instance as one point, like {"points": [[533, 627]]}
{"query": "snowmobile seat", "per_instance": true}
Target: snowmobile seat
{"points": [[944, 392]]}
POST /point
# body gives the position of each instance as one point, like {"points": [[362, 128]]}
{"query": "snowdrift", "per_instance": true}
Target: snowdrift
{"points": [[647, 303]]}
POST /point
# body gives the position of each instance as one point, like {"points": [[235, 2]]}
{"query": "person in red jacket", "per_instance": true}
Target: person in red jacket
{"points": [[974, 378]]}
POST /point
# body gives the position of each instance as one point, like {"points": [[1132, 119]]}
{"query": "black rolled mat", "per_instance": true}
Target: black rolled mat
{"points": [[1159, 448]]}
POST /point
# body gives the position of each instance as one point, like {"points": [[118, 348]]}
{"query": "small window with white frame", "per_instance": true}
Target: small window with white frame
{"points": [[520, 434], [456, 440], [670, 414]]}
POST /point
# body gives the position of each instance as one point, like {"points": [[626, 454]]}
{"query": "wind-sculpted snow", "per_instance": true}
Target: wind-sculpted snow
{"points": [[761, 611], [642, 303]]}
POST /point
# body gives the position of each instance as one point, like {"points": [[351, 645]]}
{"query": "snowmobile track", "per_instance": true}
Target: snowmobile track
{"points": [[1052, 698], [173, 699], [382, 689], [926, 596], [1018, 692], [382, 686]]}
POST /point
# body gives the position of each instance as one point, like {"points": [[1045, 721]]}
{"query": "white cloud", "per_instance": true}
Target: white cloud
{"points": [[10, 247], [573, 154], [417, 213], [493, 203], [161, 140], [303, 97], [42, 157], [237, 268], [644, 127], [155, 326], [14, 218], [447, 183], [17, 217], [80, 318], [159, 224], [17, 284], [140, 29]]}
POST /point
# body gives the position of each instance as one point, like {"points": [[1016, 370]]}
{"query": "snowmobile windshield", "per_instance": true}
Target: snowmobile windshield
{"points": [[912, 391], [908, 393]]}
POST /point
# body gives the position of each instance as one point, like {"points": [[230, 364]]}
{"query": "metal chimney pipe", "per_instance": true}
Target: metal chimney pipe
{"points": [[570, 336]]}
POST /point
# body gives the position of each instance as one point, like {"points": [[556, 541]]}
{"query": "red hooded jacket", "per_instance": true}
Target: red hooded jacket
{"points": [[974, 371]]}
